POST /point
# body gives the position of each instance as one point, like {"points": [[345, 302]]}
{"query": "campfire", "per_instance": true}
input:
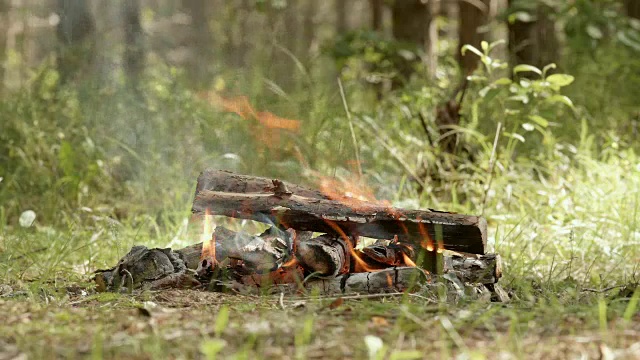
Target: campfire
{"points": [[330, 241]]}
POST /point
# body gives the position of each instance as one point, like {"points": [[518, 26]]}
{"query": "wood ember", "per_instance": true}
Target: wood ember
{"points": [[161, 268], [387, 280]]}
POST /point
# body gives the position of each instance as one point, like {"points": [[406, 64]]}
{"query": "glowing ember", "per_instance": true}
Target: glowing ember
{"points": [[208, 239], [389, 280]]}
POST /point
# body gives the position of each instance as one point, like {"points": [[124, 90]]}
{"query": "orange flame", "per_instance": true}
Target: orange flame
{"points": [[407, 260], [389, 281], [355, 195], [360, 265], [270, 124], [208, 238], [426, 242], [290, 263]]}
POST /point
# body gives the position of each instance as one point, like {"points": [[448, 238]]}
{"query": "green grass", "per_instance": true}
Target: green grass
{"points": [[570, 245]]}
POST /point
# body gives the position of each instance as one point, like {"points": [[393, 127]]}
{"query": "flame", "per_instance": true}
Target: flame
{"points": [[208, 238], [290, 263], [356, 195], [407, 260], [389, 281], [360, 265], [426, 242], [268, 126]]}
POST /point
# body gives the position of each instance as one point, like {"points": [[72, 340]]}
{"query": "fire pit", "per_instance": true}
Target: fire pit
{"points": [[314, 244]]}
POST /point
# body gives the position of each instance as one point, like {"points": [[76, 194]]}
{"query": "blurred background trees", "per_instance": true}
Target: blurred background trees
{"points": [[107, 97]]}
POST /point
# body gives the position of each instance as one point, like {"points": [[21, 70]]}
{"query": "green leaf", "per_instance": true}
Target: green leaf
{"points": [[515, 136], [472, 49], [521, 98], [502, 81], [594, 32], [221, 320], [528, 126], [483, 92], [547, 68], [632, 307], [561, 99], [406, 355], [525, 68], [520, 16], [539, 120], [496, 43], [485, 46], [211, 348], [560, 79], [476, 78]]}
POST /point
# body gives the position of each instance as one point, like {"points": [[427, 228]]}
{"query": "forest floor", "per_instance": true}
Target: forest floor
{"points": [[570, 250], [189, 324], [51, 310]]}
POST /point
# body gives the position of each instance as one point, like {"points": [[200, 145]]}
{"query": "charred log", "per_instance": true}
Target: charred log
{"points": [[463, 233]]}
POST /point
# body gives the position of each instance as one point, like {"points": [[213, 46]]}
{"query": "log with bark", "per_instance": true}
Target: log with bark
{"points": [[299, 208]]}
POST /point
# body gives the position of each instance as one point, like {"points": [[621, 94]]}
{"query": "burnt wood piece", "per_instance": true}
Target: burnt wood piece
{"points": [[325, 255], [480, 269], [227, 181], [384, 281], [483, 269], [463, 233]]}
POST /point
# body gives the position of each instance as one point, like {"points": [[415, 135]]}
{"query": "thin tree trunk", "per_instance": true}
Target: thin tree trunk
{"points": [[4, 28], [376, 14], [633, 8], [134, 50], [533, 42], [341, 16], [309, 32], [76, 35], [200, 42], [412, 24], [471, 18]]}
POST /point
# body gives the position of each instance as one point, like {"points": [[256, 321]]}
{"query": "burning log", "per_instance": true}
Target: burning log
{"points": [[463, 233], [296, 207]]}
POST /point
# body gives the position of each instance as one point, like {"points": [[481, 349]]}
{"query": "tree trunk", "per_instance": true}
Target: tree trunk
{"points": [[471, 18], [76, 35], [413, 25], [200, 42], [4, 28], [532, 42], [376, 14], [134, 50], [633, 8], [341, 16]]}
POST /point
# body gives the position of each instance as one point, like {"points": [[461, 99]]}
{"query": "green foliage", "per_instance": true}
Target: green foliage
{"points": [[367, 55]]}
